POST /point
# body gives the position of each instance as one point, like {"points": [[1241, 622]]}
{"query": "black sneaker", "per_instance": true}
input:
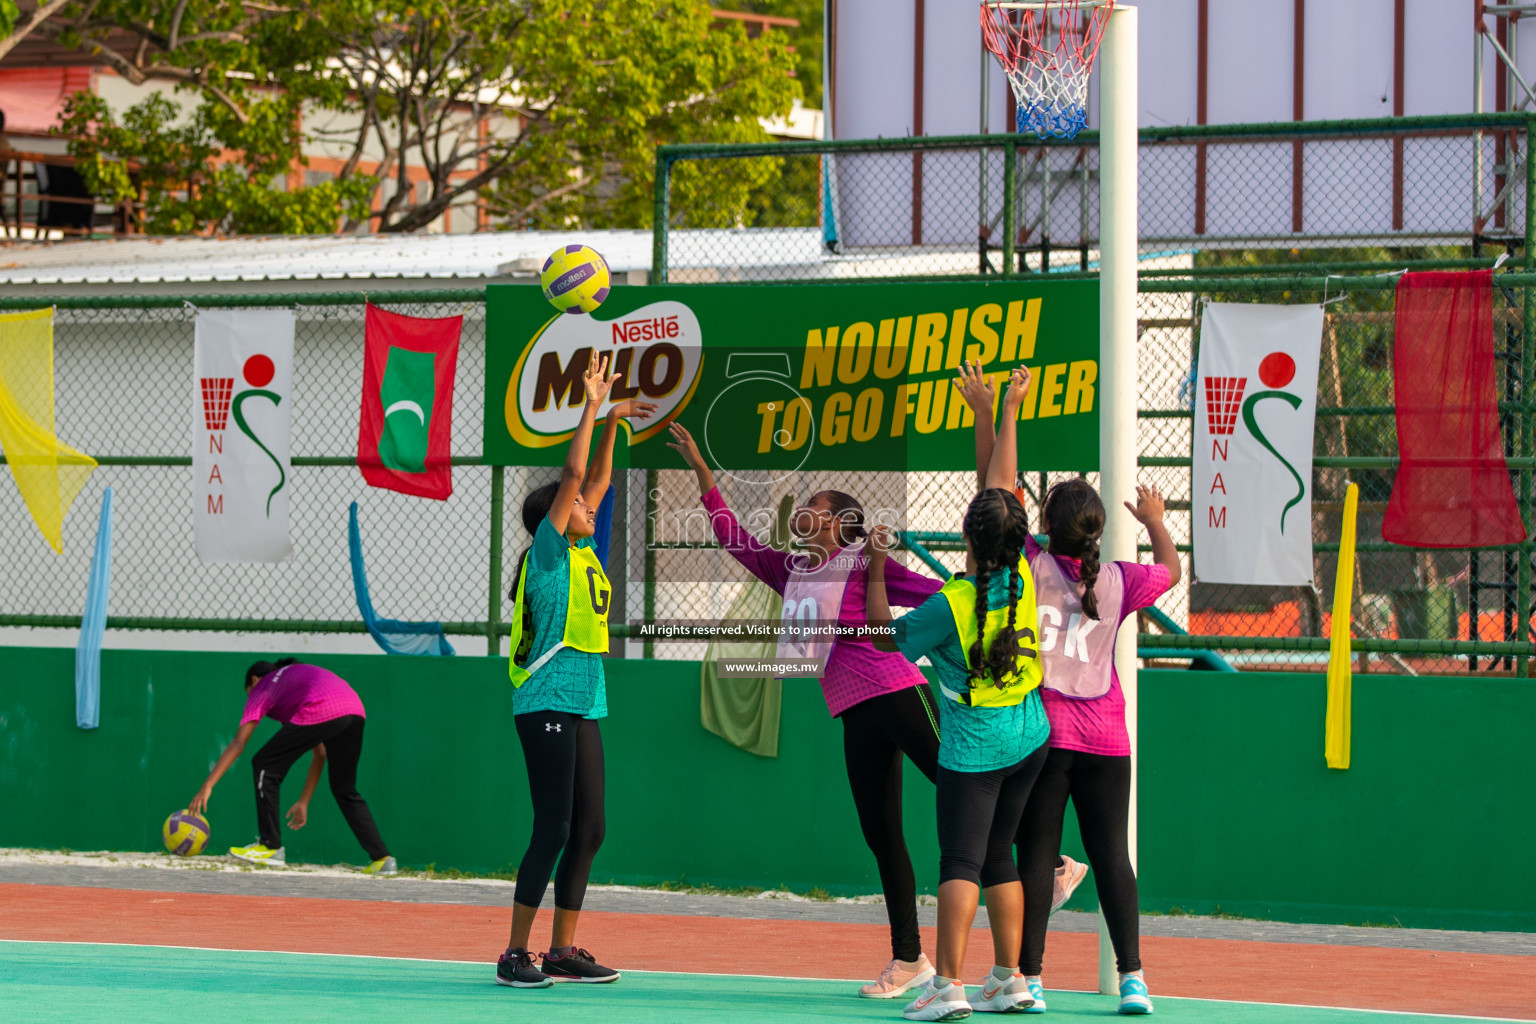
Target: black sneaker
{"points": [[515, 969], [577, 965]]}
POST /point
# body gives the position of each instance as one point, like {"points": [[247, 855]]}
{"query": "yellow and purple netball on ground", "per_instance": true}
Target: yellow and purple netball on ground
{"points": [[575, 279], [186, 834]]}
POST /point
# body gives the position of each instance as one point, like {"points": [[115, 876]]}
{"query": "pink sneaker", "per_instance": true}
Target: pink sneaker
{"points": [[898, 977], [1068, 877]]}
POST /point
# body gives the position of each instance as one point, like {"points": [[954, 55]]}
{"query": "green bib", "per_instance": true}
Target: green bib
{"points": [[983, 692], [586, 615]]}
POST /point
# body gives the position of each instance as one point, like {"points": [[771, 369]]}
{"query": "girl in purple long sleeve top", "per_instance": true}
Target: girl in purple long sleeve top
{"points": [[881, 698]]}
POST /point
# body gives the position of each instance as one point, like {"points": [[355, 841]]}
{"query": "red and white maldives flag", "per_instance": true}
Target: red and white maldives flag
{"points": [[243, 366], [1255, 405]]}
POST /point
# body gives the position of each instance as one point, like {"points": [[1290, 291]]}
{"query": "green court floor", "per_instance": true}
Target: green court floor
{"points": [[63, 982]]}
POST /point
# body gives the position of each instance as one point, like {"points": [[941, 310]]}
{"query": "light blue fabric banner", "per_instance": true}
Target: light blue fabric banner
{"points": [[396, 637], [93, 623]]}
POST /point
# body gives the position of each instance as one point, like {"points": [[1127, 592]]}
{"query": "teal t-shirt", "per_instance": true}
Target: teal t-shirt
{"points": [[571, 681], [970, 739]]}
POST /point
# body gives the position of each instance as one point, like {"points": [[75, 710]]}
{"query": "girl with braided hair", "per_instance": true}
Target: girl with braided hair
{"points": [[1081, 605], [979, 631]]}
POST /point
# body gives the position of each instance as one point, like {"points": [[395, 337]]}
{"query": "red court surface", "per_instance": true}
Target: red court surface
{"points": [[1464, 984]]}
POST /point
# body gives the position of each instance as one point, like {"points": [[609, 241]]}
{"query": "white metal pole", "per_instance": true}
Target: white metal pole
{"points": [[1477, 108], [1117, 358]]}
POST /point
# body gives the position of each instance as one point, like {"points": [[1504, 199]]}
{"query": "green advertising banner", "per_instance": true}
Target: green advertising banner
{"points": [[805, 376]]}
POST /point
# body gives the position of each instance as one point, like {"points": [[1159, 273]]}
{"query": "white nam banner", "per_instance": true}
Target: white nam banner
{"points": [[243, 367], [1255, 403]]}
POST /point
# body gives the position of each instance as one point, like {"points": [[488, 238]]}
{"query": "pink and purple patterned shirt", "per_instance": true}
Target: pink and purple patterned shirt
{"points": [[1097, 726], [855, 670], [301, 695]]}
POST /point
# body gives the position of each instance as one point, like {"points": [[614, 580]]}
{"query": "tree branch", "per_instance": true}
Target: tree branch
{"points": [[26, 27]]}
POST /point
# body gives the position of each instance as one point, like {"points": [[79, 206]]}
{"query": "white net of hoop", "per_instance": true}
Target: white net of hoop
{"points": [[1047, 50]]}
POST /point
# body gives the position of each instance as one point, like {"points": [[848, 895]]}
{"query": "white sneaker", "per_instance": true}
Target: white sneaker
{"points": [[1068, 877], [258, 854], [947, 1003], [1008, 996], [899, 977]]}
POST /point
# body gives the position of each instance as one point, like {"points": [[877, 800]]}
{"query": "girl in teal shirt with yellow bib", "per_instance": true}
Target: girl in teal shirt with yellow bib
{"points": [[562, 600], [979, 632]]}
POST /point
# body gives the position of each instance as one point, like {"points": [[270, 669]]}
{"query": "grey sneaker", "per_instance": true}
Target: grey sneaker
{"points": [[382, 866]]}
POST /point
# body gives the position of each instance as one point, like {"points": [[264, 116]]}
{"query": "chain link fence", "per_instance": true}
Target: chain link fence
{"points": [[1220, 210], [1301, 212], [967, 205]]}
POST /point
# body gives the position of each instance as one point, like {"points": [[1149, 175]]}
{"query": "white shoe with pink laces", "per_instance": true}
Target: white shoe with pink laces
{"points": [[898, 978], [1069, 875]]}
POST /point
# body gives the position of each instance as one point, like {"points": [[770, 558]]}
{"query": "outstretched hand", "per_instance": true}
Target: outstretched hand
{"points": [[632, 409], [1018, 387], [1149, 507], [596, 379], [199, 802], [683, 443], [976, 388]]}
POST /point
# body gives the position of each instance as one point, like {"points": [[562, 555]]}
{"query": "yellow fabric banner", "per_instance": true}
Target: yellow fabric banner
{"points": [[1340, 674], [48, 473]]}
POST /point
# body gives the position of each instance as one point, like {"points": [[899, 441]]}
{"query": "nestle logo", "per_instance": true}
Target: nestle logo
{"points": [[628, 332]]}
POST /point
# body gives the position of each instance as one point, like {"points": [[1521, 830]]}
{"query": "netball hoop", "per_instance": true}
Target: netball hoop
{"points": [[1047, 49]]}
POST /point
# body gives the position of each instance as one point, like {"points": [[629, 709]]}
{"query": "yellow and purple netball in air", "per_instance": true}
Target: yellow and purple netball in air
{"points": [[186, 834], [575, 279]]}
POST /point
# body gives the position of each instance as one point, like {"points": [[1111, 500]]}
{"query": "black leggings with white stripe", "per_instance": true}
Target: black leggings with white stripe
{"points": [[343, 739]]}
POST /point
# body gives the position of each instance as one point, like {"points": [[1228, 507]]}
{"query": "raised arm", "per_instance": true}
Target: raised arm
{"points": [[1003, 469], [595, 483], [766, 563], [597, 382], [231, 754], [877, 608], [977, 390], [683, 443], [1148, 510]]}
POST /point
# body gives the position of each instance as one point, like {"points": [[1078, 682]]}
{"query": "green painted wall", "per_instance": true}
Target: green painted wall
{"points": [[1429, 828]]}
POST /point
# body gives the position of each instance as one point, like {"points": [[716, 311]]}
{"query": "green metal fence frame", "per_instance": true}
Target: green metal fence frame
{"points": [[1338, 276], [1010, 144], [1303, 277]]}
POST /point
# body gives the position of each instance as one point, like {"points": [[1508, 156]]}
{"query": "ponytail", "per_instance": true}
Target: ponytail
{"points": [[1090, 577], [996, 525], [977, 654], [1074, 518], [1002, 659], [526, 612]]}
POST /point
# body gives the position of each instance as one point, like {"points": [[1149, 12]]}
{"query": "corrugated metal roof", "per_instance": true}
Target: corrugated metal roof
{"points": [[371, 257]]}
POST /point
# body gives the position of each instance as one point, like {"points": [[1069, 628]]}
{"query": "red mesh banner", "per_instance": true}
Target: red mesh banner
{"points": [[1452, 488]]}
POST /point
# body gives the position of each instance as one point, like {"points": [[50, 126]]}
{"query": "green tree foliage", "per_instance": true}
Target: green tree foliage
{"points": [[186, 189], [807, 40], [622, 78], [549, 109]]}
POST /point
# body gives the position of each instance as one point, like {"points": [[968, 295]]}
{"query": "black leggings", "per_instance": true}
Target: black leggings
{"points": [[876, 733], [343, 739], [979, 815], [1100, 788], [564, 753]]}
